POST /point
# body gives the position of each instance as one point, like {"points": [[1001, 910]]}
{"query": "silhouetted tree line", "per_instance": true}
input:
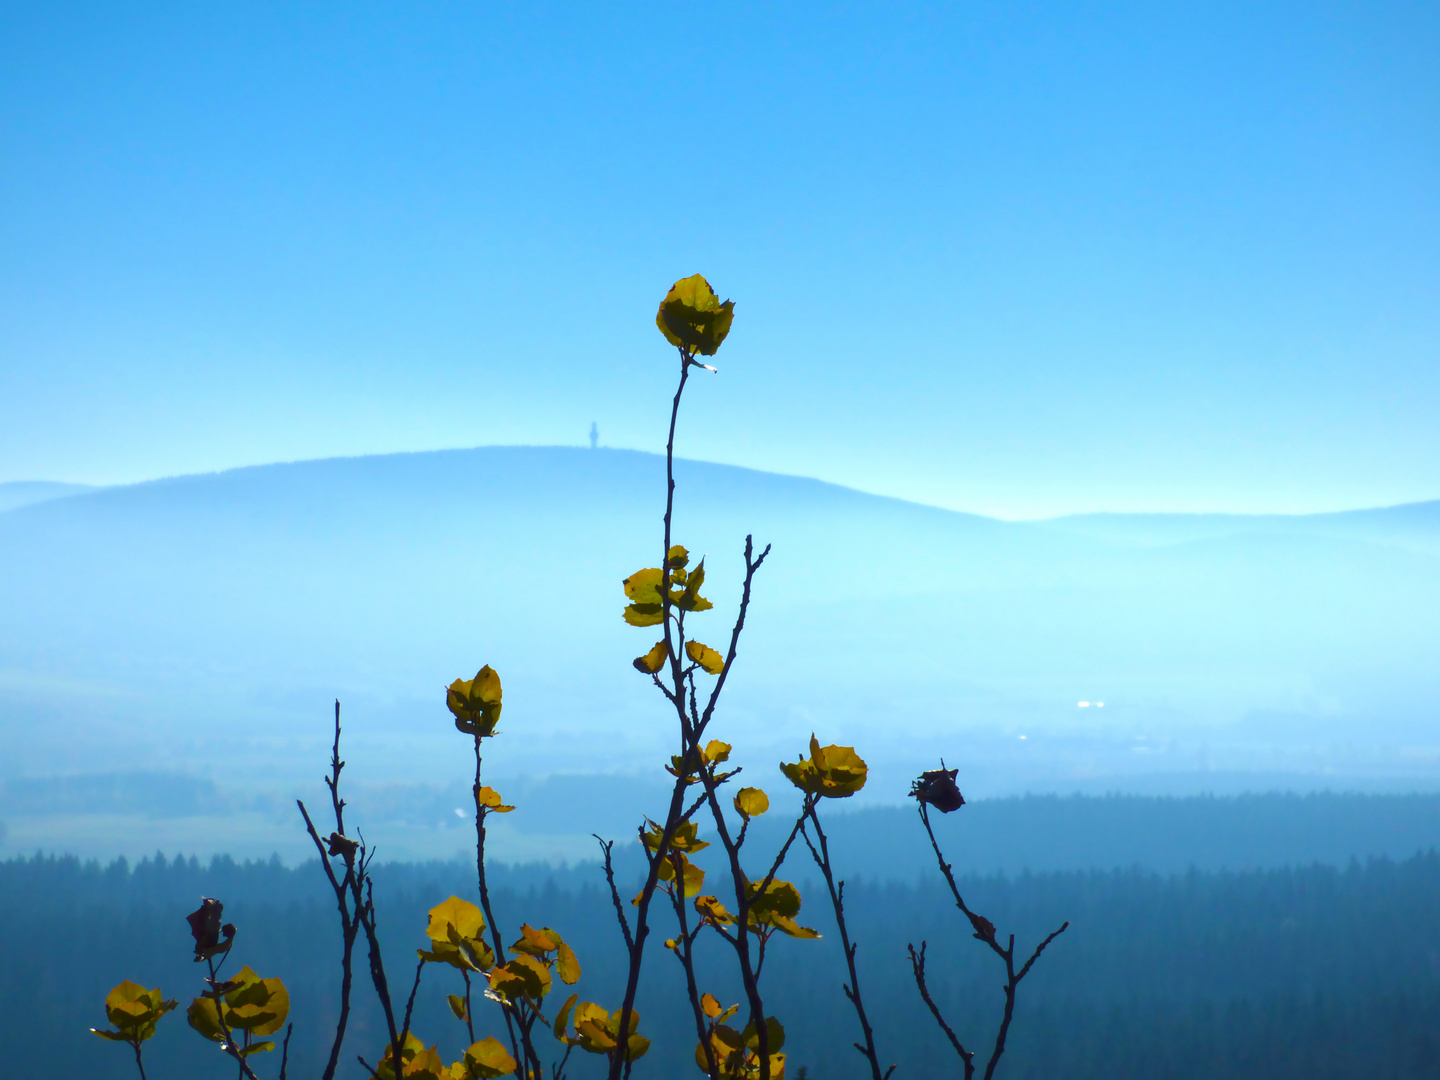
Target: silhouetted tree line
{"points": [[1307, 972]]}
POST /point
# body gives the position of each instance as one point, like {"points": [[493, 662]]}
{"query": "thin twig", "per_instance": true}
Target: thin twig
{"points": [[285, 1051], [605, 846], [349, 929], [917, 965]]}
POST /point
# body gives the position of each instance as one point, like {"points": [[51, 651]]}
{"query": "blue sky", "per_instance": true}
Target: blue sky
{"points": [[1015, 258]]}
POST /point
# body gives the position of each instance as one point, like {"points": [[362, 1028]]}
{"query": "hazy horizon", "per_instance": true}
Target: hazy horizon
{"points": [[81, 486]]}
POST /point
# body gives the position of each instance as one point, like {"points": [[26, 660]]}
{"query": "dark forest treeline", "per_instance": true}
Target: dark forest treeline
{"points": [[1309, 972]]}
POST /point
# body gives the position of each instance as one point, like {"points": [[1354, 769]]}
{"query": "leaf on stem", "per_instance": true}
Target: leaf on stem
{"points": [[705, 656], [134, 1011], [489, 798], [692, 317], [833, 772], [476, 703], [653, 660], [751, 802], [486, 1059]]}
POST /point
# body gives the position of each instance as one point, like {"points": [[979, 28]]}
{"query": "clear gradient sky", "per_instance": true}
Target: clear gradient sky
{"points": [[1015, 258]]}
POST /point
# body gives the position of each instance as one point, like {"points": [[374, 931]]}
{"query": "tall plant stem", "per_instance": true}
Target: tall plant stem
{"points": [[620, 1058], [495, 936]]}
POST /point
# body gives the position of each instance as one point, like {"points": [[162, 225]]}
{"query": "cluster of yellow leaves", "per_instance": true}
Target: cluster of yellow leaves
{"points": [[247, 1003], [737, 1053], [597, 1029], [692, 317], [712, 753], [528, 974], [134, 1011], [476, 702], [647, 604], [834, 772], [768, 911], [775, 908], [683, 843], [482, 1061]]}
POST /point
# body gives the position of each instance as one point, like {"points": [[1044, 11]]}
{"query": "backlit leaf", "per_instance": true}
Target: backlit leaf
{"points": [[833, 772], [476, 703], [705, 656], [692, 317], [711, 908], [489, 798], [562, 1018], [751, 802], [566, 965], [465, 917]]}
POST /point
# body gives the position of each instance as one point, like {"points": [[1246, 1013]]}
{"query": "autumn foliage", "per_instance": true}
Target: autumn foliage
{"points": [[511, 997]]}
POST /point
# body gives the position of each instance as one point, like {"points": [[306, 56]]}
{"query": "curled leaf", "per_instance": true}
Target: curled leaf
{"points": [[210, 935], [652, 661], [705, 656], [937, 788], [712, 909], [476, 703]]}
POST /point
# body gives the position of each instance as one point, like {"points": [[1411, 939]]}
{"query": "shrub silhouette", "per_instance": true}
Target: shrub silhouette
{"points": [[745, 908]]}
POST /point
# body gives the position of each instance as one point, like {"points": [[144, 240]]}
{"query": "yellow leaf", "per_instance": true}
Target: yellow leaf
{"points": [[643, 586], [562, 1018], [489, 798], [751, 802], [644, 615], [465, 917], [134, 1011], [711, 908], [717, 751], [710, 1006], [204, 1017], [488, 1058], [652, 661], [536, 942], [677, 558], [476, 703], [534, 976], [684, 838], [692, 317], [794, 929], [689, 598], [457, 1005], [705, 656], [833, 772], [566, 965]]}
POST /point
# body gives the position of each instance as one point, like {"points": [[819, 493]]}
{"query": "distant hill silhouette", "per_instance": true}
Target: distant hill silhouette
{"points": [[203, 625], [15, 493]]}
